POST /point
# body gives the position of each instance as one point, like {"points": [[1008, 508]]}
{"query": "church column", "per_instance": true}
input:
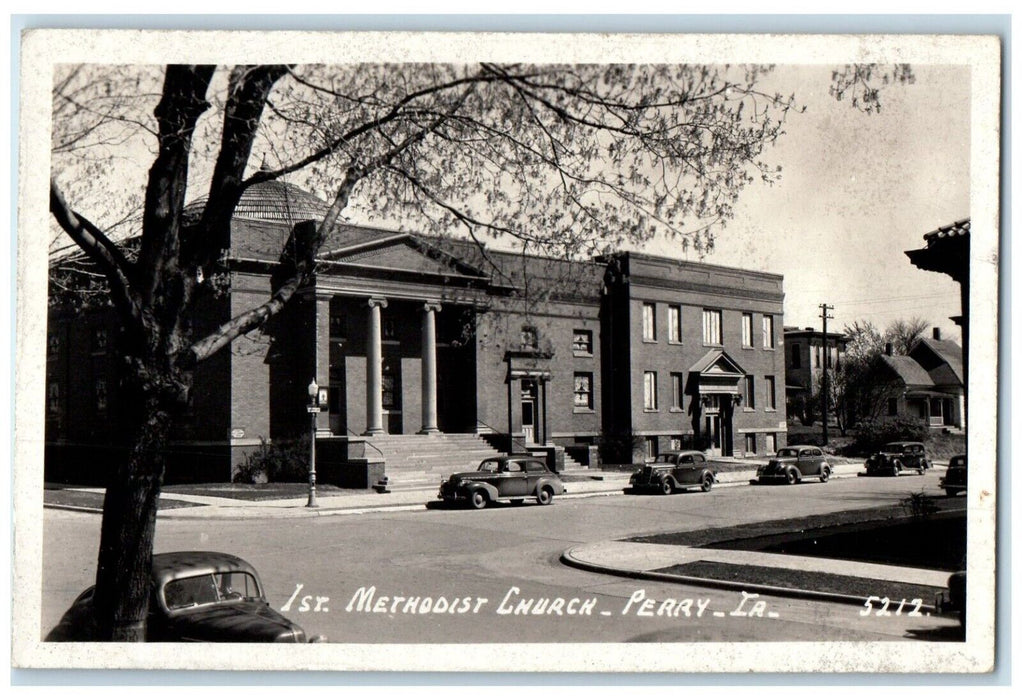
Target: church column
{"points": [[374, 368], [429, 420]]}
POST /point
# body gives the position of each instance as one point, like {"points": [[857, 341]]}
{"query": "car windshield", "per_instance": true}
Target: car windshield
{"points": [[210, 589], [958, 462], [489, 465], [787, 452]]}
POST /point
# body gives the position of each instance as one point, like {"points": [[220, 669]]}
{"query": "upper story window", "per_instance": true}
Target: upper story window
{"points": [[338, 326], [389, 329], [582, 342], [529, 338], [746, 330], [99, 340], [649, 392], [649, 322], [712, 327], [583, 390], [771, 393], [768, 332], [796, 356], [676, 390], [673, 324]]}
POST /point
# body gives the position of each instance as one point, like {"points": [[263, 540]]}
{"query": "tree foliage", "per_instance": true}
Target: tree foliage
{"points": [[563, 160]]}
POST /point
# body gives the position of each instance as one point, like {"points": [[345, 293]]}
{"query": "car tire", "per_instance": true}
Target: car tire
{"points": [[478, 500], [825, 475], [545, 496], [707, 483], [666, 487], [791, 477]]}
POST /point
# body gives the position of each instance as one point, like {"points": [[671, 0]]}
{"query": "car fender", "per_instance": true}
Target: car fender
{"points": [[490, 489], [554, 484]]}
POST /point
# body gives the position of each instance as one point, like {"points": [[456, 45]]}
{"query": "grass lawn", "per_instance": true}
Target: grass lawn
{"points": [[94, 500]]}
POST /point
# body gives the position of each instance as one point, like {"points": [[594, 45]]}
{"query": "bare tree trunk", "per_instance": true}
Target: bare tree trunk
{"points": [[129, 523]]}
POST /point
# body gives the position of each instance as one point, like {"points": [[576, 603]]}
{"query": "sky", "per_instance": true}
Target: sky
{"points": [[856, 192]]}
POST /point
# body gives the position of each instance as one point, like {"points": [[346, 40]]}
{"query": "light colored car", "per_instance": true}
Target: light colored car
{"points": [[793, 463], [512, 477], [195, 597], [674, 470]]}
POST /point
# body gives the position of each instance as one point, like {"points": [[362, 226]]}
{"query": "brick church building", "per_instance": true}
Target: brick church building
{"points": [[436, 352]]}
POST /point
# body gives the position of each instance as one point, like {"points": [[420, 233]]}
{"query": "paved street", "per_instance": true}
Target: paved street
{"points": [[486, 566]]}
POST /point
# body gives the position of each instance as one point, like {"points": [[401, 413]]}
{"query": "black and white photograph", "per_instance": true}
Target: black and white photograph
{"points": [[412, 351]]}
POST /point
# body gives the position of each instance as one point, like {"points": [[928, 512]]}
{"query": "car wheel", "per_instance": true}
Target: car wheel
{"points": [[825, 474], [896, 468], [479, 499], [791, 477], [707, 482], [545, 496], [666, 487]]}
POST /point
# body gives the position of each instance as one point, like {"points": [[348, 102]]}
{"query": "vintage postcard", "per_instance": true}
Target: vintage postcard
{"points": [[507, 352]]}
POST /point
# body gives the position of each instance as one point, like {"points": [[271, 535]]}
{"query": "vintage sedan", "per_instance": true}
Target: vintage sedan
{"points": [[195, 597], [896, 457], [793, 463], [512, 477], [674, 470], [956, 479]]}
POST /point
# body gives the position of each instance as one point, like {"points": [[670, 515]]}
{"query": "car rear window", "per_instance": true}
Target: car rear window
{"points": [[535, 467]]}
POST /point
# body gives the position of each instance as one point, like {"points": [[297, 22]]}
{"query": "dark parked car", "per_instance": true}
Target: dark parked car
{"points": [[954, 600], [794, 462], [673, 471], [195, 597], [513, 477], [956, 479], [896, 457]]}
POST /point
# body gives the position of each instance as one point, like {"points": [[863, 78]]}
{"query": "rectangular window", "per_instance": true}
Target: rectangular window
{"points": [[676, 389], [649, 322], [583, 390], [582, 342], [529, 338], [750, 443], [768, 332], [746, 330], [649, 401], [338, 326], [389, 392], [750, 391], [771, 398], [712, 327], [101, 395], [53, 397], [771, 443], [674, 324], [389, 329], [651, 448], [892, 406], [796, 356], [99, 339]]}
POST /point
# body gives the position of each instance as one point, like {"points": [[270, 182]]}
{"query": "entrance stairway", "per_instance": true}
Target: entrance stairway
{"points": [[414, 461]]}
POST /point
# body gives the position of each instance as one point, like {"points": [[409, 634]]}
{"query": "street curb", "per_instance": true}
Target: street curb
{"points": [[780, 591]]}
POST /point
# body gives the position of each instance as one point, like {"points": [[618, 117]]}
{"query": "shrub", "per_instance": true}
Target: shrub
{"points": [[871, 435], [282, 461], [919, 505]]}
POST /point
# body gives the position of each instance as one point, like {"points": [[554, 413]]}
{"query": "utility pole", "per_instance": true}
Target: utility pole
{"points": [[824, 308]]}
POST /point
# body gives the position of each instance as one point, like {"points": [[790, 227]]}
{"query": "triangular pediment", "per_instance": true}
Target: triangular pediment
{"points": [[718, 363], [404, 253]]}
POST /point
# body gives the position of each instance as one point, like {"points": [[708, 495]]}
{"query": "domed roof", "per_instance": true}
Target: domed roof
{"points": [[270, 201]]}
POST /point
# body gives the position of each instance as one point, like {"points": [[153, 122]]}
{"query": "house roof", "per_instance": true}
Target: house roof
{"points": [[909, 370], [958, 228], [947, 352]]}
